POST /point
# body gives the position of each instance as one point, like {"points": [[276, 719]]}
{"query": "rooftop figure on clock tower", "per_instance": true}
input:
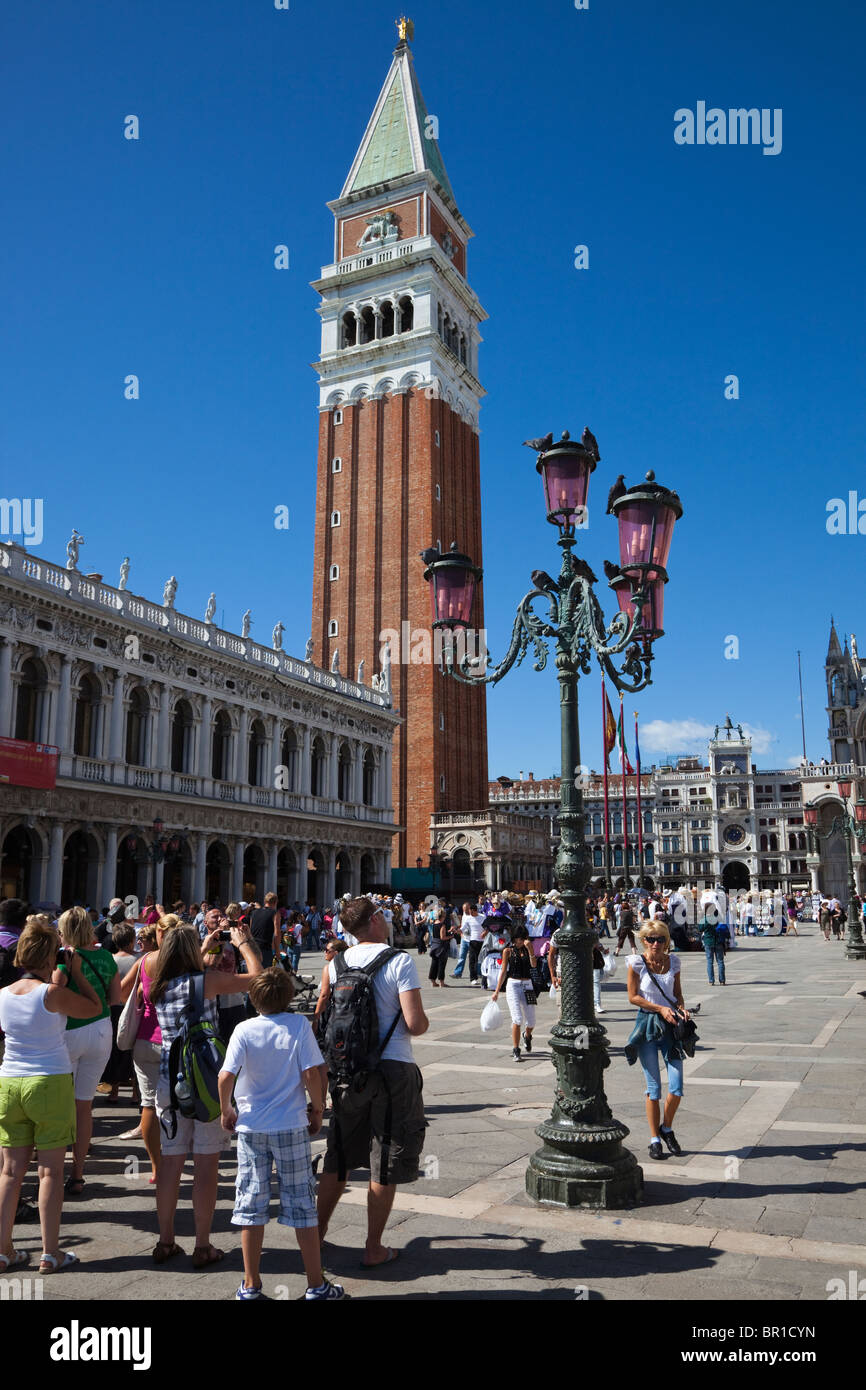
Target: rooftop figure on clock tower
{"points": [[398, 464]]}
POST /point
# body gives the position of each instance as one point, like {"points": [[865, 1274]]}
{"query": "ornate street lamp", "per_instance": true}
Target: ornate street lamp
{"points": [[847, 826], [582, 1161]]}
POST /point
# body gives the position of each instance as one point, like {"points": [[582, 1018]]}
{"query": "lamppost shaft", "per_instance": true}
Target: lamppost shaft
{"points": [[582, 1161]]}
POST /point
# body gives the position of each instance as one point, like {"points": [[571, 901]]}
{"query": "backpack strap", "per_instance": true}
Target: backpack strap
{"points": [[382, 959], [196, 998]]}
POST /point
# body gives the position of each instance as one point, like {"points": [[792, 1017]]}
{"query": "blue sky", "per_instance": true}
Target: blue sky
{"points": [[155, 257]]}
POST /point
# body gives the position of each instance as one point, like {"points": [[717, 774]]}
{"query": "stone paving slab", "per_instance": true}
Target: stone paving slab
{"points": [[766, 1201]]}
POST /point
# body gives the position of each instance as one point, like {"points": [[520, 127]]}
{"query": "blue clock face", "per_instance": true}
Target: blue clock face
{"points": [[734, 835]]}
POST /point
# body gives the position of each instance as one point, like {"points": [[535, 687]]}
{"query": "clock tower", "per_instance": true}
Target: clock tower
{"points": [[398, 462]]}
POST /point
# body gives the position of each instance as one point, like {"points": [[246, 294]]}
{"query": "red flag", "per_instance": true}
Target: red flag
{"points": [[609, 732]]}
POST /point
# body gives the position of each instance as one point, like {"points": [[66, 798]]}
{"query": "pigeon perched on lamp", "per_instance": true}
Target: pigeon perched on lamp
{"points": [[539, 445], [616, 491]]}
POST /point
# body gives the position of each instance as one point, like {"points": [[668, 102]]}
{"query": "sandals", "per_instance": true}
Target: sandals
{"points": [[15, 1260], [73, 1187], [52, 1264], [205, 1255], [163, 1252]]}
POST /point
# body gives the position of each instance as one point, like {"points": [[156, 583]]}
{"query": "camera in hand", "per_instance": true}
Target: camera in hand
{"points": [[225, 936]]}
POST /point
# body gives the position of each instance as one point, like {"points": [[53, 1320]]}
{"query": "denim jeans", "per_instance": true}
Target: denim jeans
{"points": [[715, 951], [464, 952], [648, 1056], [596, 987], [603, 929], [294, 954]]}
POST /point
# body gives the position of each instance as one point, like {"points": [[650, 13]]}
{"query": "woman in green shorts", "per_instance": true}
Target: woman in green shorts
{"points": [[37, 1099]]}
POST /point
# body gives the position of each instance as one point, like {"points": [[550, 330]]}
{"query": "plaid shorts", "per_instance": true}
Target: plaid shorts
{"points": [[257, 1154]]}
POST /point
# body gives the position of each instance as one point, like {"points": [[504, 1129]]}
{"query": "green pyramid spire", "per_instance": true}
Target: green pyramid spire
{"points": [[396, 141]]}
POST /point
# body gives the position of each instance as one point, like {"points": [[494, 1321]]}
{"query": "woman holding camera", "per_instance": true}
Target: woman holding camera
{"points": [[655, 990], [87, 1039], [171, 974], [37, 1095]]}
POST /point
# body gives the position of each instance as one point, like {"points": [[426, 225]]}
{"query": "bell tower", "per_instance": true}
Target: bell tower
{"points": [[398, 463]]}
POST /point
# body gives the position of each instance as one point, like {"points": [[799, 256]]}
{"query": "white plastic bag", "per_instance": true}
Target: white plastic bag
{"points": [[491, 1016], [609, 965], [553, 995]]}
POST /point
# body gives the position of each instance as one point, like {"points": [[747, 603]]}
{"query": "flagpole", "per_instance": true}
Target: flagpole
{"points": [[639, 816], [622, 757], [608, 883]]}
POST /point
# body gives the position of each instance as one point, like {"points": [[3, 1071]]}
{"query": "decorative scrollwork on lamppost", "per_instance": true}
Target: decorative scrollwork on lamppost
{"points": [[582, 1161], [847, 826]]}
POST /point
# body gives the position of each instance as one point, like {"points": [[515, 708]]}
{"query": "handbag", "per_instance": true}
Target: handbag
{"points": [[684, 1030], [530, 996], [130, 1019]]}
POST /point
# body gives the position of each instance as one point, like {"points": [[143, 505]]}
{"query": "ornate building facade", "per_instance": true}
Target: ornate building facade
{"points": [[722, 820], [192, 762], [398, 460]]}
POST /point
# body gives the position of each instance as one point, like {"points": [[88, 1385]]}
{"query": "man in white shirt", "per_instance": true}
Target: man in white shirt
{"points": [[382, 1126], [474, 927]]}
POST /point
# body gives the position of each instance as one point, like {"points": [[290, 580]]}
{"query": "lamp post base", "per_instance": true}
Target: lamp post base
{"points": [[559, 1176]]}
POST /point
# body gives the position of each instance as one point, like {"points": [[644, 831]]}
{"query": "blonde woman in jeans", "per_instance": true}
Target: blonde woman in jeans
{"points": [[89, 1039], [37, 1097]]}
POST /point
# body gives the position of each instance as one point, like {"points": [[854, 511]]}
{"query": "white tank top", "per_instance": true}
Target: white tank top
{"points": [[35, 1038]]}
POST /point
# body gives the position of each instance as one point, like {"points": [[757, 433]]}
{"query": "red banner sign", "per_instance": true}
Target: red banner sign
{"points": [[28, 764]]}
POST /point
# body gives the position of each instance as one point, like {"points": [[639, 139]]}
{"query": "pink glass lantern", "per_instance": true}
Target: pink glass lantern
{"points": [[844, 789], [453, 580], [860, 811], [810, 815], [646, 516], [565, 468], [652, 612]]}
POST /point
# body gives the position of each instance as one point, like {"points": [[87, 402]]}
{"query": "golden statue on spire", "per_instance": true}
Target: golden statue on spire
{"points": [[405, 29]]}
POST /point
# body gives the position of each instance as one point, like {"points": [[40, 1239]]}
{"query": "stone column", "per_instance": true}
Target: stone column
{"points": [[357, 852], [158, 889], [6, 692], [203, 752], [109, 867], [238, 872], [55, 864], [330, 874], [302, 852], [200, 855], [305, 757], [333, 755], [271, 871], [357, 793], [241, 751], [58, 732], [115, 741], [162, 735], [276, 750]]}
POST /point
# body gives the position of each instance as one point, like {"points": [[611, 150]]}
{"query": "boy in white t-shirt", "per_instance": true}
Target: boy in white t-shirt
{"points": [[269, 1062]]}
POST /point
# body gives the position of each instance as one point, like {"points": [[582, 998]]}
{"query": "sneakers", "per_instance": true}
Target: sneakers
{"points": [[599, 1009], [327, 1291], [656, 1151], [245, 1295], [527, 1041], [671, 1140], [515, 1052]]}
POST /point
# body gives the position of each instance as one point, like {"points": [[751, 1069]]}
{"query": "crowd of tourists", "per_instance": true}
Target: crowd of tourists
{"points": [[192, 1009]]}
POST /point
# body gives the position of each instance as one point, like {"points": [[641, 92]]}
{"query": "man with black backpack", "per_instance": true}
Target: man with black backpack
{"points": [[373, 1009]]}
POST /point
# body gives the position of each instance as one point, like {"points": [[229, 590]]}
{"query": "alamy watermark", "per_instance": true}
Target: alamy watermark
{"points": [[736, 126], [21, 516], [421, 647]]}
